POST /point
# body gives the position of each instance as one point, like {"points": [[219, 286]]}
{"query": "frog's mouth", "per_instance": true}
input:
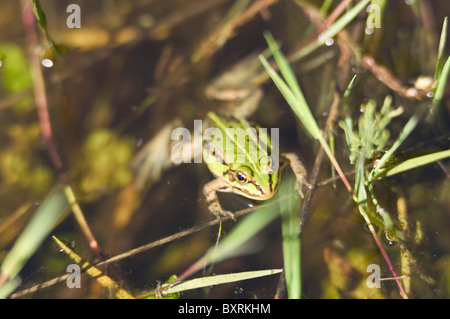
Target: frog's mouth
{"points": [[259, 194]]}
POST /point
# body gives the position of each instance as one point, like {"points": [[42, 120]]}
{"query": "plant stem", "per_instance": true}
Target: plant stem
{"points": [[40, 97]]}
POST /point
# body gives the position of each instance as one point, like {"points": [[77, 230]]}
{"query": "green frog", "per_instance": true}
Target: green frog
{"points": [[245, 163]]}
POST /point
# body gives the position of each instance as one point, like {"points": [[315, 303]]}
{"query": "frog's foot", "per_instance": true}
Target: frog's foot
{"points": [[299, 188], [219, 212], [210, 192]]}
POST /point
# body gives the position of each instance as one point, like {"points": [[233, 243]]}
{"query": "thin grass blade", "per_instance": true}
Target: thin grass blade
{"points": [[95, 273], [300, 107], [302, 110], [218, 280], [441, 49], [331, 31], [417, 162], [34, 233], [290, 220], [407, 129], [44, 220], [439, 93]]}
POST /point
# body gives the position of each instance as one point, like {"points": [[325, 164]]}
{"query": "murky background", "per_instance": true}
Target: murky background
{"points": [[135, 66]]}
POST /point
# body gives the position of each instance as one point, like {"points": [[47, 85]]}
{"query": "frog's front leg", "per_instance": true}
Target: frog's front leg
{"points": [[210, 190], [299, 171]]}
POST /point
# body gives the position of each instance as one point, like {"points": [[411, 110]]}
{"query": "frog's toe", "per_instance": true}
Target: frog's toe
{"points": [[220, 213], [227, 214], [299, 188]]}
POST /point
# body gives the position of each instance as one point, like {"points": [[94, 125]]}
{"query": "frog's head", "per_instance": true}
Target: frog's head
{"points": [[236, 153], [253, 182]]}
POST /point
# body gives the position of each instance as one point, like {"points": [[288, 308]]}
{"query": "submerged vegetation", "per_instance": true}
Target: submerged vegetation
{"points": [[91, 93]]}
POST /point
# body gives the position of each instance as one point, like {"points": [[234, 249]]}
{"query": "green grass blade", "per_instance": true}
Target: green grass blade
{"points": [[332, 30], [9, 287], [300, 107], [284, 66], [325, 6], [291, 241], [407, 129], [360, 191], [342, 22], [439, 93], [218, 280], [95, 273], [240, 240], [39, 14], [442, 41], [418, 161], [235, 242], [350, 87], [37, 229]]}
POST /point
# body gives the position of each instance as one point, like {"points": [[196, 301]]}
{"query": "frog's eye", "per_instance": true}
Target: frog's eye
{"points": [[241, 177]]}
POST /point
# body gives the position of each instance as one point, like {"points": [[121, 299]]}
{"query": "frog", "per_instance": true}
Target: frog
{"points": [[252, 170], [258, 180]]}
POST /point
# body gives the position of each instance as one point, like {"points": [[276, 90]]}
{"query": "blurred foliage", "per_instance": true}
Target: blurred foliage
{"points": [[19, 169], [348, 275], [104, 163], [15, 73]]}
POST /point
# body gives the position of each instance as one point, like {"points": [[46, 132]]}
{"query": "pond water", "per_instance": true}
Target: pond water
{"points": [[116, 76]]}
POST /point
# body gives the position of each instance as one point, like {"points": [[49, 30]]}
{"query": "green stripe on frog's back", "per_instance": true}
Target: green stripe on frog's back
{"points": [[233, 132]]}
